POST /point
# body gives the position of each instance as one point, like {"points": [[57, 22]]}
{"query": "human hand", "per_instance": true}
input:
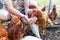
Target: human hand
{"points": [[27, 20], [32, 20]]}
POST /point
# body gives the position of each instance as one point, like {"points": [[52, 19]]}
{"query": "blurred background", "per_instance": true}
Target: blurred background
{"points": [[42, 3]]}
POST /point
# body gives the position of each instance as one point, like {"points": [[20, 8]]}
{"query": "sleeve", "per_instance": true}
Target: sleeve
{"points": [[6, 1]]}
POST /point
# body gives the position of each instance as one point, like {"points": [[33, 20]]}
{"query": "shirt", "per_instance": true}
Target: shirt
{"points": [[18, 3], [6, 1]]}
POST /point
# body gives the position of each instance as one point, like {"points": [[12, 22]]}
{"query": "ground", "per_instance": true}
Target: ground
{"points": [[52, 33]]}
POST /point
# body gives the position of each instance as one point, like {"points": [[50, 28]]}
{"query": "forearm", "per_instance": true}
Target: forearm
{"points": [[12, 10], [15, 12], [26, 5]]}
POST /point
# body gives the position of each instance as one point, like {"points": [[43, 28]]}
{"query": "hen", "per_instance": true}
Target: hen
{"points": [[16, 29], [42, 18], [3, 32], [53, 14]]}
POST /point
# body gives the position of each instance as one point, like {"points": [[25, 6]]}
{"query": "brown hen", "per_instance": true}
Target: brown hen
{"points": [[53, 14], [42, 18], [3, 32], [16, 29]]}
